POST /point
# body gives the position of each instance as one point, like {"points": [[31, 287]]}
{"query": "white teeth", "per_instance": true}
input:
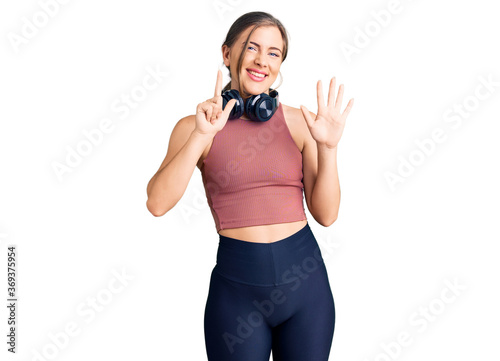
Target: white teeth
{"points": [[256, 74]]}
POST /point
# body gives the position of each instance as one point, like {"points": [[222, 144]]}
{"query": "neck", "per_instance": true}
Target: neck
{"points": [[236, 87]]}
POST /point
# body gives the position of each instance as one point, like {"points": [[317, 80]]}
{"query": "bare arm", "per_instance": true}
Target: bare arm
{"points": [[321, 180], [189, 138], [169, 183]]}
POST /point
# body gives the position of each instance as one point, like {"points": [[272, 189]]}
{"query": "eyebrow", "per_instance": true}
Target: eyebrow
{"points": [[272, 47]]}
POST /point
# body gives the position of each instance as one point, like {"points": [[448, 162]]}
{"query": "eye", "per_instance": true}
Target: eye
{"points": [[251, 47], [276, 55]]}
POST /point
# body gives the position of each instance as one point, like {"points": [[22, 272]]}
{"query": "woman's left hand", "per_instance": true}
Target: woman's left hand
{"points": [[329, 124]]}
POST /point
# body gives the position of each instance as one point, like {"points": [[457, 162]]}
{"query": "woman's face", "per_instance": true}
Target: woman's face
{"points": [[264, 54]]}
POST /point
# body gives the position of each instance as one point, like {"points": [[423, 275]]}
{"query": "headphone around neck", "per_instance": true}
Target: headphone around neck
{"points": [[259, 108]]}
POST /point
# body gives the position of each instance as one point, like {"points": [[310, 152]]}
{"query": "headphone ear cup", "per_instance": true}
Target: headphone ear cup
{"points": [[250, 108], [238, 107], [261, 107]]}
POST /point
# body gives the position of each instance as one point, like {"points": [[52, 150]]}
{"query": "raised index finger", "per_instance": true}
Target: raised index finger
{"points": [[218, 85]]}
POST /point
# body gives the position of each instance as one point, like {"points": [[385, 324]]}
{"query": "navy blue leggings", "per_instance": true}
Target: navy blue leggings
{"points": [[267, 297]]}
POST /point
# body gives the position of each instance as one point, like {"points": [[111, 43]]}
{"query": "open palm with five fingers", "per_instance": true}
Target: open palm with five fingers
{"points": [[329, 124], [210, 118]]}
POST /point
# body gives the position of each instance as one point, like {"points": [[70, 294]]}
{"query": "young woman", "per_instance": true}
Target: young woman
{"points": [[269, 290]]}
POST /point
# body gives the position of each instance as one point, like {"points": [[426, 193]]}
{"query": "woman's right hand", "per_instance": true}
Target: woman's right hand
{"points": [[210, 118]]}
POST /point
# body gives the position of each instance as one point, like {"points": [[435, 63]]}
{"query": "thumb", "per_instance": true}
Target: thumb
{"points": [[228, 108], [307, 115]]}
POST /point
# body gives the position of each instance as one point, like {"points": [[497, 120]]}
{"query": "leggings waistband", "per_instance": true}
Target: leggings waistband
{"points": [[269, 264]]}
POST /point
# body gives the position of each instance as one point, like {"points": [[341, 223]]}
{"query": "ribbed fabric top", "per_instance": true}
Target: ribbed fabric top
{"points": [[253, 174]]}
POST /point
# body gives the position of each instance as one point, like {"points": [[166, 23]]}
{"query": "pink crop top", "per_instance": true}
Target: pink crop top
{"points": [[253, 174]]}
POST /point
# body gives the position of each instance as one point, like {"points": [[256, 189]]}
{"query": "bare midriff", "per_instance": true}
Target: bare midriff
{"points": [[267, 233]]}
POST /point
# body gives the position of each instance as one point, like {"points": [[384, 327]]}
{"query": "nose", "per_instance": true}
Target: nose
{"points": [[260, 59]]}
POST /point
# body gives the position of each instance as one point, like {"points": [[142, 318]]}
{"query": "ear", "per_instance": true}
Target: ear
{"points": [[225, 55]]}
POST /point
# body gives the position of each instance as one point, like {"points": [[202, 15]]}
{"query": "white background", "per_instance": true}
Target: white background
{"points": [[388, 255]]}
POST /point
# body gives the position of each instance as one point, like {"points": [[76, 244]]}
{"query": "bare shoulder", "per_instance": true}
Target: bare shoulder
{"points": [[181, 131], [297, 125], [294, 114], [183, 128], [186, 122]]}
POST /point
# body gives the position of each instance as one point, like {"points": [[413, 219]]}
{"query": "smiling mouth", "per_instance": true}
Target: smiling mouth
{"points": [[256, 76]]}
